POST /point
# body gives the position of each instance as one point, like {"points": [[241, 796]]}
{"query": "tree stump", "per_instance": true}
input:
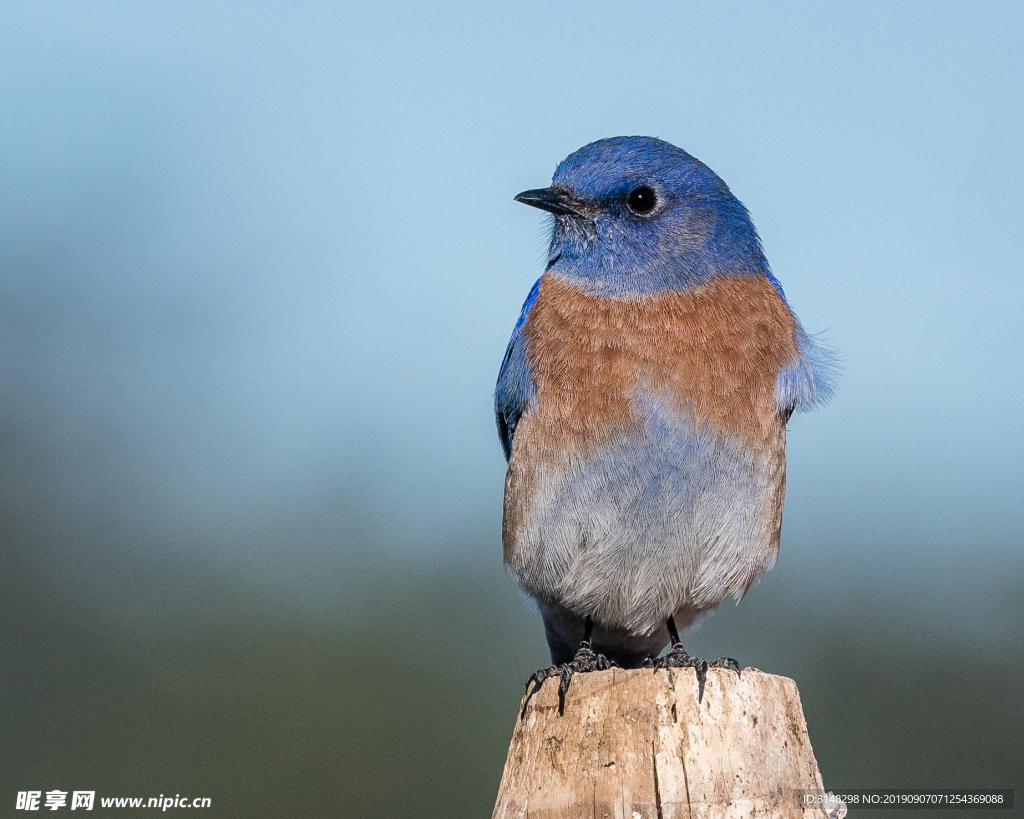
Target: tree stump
{"points": [[637, 744]]}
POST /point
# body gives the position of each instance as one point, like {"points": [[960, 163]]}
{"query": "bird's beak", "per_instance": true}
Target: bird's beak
{"points": [[554, 200]]}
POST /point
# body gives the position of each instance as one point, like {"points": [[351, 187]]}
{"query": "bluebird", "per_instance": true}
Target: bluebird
{"points": [[642, 407]]}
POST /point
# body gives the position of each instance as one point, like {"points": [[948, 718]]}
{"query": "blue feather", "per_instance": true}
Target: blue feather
{"points": [[701, 230], [810, 380], [515, 388]]}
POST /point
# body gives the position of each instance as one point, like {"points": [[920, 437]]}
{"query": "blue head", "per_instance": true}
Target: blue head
{"points": [[636, 215]]}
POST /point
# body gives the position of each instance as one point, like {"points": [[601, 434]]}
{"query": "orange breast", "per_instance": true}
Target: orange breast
{"points": [[714, 350]]}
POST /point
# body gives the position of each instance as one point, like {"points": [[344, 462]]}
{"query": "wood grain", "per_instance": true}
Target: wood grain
{"points": [[637, 745]]}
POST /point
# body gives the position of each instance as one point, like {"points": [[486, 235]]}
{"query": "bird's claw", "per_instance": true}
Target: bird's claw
{"points": [[728, 663], [678, 657], [585, 660]]}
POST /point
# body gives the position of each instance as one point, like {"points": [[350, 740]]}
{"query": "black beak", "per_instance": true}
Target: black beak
{"points": [[553, 200]]}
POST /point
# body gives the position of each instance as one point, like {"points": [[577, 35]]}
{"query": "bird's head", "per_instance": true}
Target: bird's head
{"points": [[635, 216]]}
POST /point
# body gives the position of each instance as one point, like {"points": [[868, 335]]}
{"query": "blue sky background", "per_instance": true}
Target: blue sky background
{"points": [[255, 254], [259, 263]]}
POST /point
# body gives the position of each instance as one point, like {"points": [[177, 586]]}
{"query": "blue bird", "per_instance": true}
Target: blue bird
{"points": [[642, 407]]}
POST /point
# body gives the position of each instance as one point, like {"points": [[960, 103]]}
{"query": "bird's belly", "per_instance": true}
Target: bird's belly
{"points": [[657, 521]]}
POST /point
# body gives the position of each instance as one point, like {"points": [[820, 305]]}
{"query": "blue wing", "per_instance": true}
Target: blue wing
{"points": [[515, 386]]}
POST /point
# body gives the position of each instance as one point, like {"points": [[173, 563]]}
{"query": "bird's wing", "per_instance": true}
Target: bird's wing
{"points": [[515, 386]]}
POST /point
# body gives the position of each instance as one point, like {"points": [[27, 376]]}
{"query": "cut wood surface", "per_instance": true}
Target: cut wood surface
{"points": [[637, 744]]}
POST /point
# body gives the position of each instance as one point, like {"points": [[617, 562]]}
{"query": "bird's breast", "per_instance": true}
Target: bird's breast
{"points": [[711, 353]]}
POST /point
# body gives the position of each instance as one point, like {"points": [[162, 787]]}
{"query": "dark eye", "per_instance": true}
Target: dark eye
{"points": [[642, 200]]}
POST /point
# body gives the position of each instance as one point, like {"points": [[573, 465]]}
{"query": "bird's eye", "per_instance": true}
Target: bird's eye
{"points": [[642, 200]]}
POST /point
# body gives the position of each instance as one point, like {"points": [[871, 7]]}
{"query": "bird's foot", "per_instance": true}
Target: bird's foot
{"points": [[585, 660], [678, 657]]}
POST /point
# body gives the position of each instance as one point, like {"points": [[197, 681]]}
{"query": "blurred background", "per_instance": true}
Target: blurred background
{"points": [[258, 266]]}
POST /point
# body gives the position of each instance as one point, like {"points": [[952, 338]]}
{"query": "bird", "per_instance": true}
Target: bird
{"points": [[642, 406]]}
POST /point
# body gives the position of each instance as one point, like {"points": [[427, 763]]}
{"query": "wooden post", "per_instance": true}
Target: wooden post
{"points": [[638, 745]]}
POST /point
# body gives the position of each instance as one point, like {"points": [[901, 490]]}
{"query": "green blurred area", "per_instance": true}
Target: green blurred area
{"points": [[266, 715], [407, 709], [356, 674]]}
